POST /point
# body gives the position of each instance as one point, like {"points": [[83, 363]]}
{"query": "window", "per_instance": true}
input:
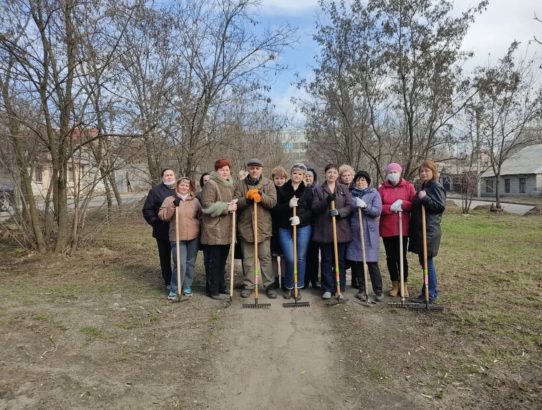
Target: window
{"points": [[489, 186], [38, 173], [522, 183], [507, 186]]}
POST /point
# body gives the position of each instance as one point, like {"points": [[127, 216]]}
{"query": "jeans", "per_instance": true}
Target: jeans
{"points": [[432, 274], [287, 245], [391, 244], [329, 282], [188, 252]]}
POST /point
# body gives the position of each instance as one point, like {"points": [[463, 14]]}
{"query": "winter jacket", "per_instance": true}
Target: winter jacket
{"points": [[435, 203], [189, 214], [216, 220], [282, 211], [389, 223], [246, 209], [153, 202], [371, 216], [322, 226]]}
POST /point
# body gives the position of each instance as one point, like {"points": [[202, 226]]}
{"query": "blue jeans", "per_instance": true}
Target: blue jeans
{"points": [[432, 273], [188, 253], [287, 245], [329, 283]]}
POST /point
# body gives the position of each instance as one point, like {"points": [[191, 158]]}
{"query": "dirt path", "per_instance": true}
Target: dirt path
{"points": [[276, 358]]}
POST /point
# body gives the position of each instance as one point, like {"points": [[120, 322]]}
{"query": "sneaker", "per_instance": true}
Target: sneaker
{"points": [[379, 297], [271, 293], [220, 296], [224, 291], [187, 292], [172, 296], [360, 295], [298, 295], [326, 295], [245, 293], [287, 294]]}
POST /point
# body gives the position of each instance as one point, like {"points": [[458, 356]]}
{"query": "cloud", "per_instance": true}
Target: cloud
{"points": [[503, 22], [288, 7], [285, 107]]}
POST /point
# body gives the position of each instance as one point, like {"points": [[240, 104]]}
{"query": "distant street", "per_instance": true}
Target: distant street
{"points": [[96, 202], [517, 209]]}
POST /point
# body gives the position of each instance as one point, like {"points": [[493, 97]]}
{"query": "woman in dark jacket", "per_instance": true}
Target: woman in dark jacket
{"points": [[432, 196], [292, 194], [160, 229], [331, 190]]}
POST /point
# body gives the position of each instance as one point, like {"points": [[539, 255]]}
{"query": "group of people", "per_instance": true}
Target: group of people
{"points": [[344, 214]]}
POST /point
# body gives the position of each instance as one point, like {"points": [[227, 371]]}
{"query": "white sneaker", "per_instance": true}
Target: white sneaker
{"points": [[326, 295]]}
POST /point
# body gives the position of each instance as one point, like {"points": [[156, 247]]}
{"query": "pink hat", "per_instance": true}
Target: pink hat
{"points": [[394, 166]]}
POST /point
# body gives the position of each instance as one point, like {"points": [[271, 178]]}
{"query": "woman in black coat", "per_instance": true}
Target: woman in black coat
{"points": [[432, 196], [160, 229]]}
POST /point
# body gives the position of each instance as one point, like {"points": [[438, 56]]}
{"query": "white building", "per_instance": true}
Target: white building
{"points": [[521, 174], [294, 142]]}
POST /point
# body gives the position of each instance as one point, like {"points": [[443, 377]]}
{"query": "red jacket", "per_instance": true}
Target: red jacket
{"points": [[389, 224]]}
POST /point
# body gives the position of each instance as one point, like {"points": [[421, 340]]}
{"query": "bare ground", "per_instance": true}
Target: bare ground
{"points": [[95, 331]]}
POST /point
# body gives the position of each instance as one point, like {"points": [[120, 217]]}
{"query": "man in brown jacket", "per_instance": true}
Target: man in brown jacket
{"points": [[255, 188]]}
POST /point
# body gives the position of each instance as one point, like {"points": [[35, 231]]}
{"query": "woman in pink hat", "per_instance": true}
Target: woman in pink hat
{"points": [[397, 195]]}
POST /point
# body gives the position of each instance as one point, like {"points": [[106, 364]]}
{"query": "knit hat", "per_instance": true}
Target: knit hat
{"points": [[394, 167], [362, 174], [299, 167]]}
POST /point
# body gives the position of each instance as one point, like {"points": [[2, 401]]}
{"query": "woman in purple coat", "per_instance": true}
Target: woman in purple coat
{"points": [[367, 199]]}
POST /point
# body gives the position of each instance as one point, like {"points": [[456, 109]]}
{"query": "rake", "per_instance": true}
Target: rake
{"points": [[179, 297], [339, 299], [366, 301], [232, 262], [296, 303], [256, 305]]}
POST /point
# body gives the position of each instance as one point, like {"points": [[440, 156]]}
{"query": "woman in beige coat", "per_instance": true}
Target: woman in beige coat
{"points": [[218, 204], [189, 209]]}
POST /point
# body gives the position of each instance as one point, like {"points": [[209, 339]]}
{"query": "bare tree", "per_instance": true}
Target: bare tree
{"points": [[509, 99], [389, 81]]}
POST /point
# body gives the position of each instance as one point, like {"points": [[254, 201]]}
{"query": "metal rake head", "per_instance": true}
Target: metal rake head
{"points": [[256, 305], [296, 304]]}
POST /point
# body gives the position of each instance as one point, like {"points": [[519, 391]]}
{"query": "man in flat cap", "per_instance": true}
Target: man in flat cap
{"points": [[255, 188]]}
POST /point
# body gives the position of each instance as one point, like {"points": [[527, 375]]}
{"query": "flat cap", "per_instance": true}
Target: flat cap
{"points": [[254, 162]]}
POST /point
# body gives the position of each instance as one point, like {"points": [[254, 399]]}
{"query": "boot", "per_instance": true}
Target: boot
{"points": [[395, 290]]}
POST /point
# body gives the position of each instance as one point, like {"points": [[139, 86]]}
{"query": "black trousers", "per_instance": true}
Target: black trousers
{"points": [[218, 255], [374, 273], [164, 252], [312, 263], [391, 244]]}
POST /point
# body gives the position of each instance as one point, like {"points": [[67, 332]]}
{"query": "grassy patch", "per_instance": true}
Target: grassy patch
{"points": [[92, 332]]}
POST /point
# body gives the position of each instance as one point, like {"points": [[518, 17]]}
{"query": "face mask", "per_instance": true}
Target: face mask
{"points": [[169, 183], [393, 177]]}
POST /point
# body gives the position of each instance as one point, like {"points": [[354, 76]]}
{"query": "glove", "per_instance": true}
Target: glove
{"points": [[330, 197], [397, 206], [176, 201], [293, 202], [360, 203], [422, 194], [251, 193], [294, 220], [257, 197], [333, 212]]}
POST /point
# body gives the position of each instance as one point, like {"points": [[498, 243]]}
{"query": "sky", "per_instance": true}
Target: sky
{"points": [[489, 37]]}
